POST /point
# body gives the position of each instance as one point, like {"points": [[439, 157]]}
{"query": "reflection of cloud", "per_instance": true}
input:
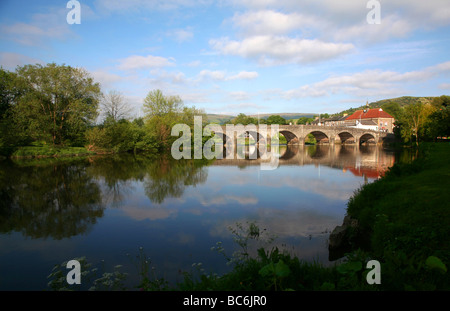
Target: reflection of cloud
{"points": [[331, 190], [222, 199], [285, 223], [184, 238], [297, 223], [153, 213]]}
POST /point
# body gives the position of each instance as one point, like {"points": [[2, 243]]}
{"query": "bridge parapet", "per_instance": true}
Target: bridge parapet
{"points": [[297, 134]]}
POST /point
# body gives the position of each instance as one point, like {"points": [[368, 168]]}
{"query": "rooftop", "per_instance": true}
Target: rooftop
{"points": [[369, 114]]}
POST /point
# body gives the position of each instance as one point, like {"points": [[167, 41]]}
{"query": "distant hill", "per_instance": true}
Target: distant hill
{"points": [[222, 118], [287, 116], [219, 118], [402, 101]]}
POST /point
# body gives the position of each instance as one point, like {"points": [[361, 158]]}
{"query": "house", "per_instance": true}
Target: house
{"points": [[332, 121], [375, 119]]}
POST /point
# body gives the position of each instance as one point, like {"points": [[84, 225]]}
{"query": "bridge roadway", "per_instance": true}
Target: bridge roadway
{"points": [[297, 134]]}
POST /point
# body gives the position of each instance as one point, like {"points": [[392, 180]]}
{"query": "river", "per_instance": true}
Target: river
{"points": [[112, 208]]}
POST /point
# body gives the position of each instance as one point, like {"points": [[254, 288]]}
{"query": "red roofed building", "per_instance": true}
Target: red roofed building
{"points": [[373, 118]]}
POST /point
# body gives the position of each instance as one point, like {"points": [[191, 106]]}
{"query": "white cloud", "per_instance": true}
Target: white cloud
{"points": [[444, 86], [42, 27], [340, 20], [216, 75], [142, 62], [265, 22], [275, 50], [244, 75], [133, 5], [10, 61], [219, 75], [105, 78], [194, 63], [173, 77], [367, 83], [392, 26], [440, 68], [239, 95], [181, 35]]}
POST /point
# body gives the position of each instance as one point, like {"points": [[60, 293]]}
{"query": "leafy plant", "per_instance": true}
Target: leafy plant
{"points": [[275, 272]]}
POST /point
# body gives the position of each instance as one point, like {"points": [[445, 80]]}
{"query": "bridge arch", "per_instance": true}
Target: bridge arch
{"points": [[367, 138], [320, 136], [345, 137], [291, 138]]}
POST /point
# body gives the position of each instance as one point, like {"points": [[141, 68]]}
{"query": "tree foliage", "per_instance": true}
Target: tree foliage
{"points": [[162, 112], [57, 103], [244, 120], [275, 119], [422, 121]]}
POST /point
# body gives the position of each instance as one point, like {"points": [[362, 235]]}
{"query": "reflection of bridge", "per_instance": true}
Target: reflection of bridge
{"points": [[297, 134], [369, 161]]}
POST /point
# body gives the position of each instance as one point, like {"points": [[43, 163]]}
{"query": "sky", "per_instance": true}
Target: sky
{"points": [[240, 56]]}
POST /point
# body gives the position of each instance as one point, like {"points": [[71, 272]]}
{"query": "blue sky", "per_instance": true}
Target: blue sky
{"points": [[232, 56]]}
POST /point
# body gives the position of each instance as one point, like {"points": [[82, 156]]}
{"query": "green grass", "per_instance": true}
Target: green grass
{"points": [[49, 151], [406, 216]]}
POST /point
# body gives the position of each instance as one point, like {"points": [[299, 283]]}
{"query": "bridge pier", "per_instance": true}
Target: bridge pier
{"points": [[331, 140]]}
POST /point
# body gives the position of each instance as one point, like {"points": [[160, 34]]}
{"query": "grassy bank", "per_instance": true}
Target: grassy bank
{"points": [[49, 151], [405, 219]]}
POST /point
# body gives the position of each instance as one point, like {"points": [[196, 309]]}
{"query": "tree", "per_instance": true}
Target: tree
{"points": [[162, 113], [438, 124], [244, 120], [275, 119], [413, 119], [11, 89], [157, 104], [59, 103], [114, 106], [441, 101], [393, 108]]}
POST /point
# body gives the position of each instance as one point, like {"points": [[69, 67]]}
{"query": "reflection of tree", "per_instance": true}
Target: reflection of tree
{"points": [[117, 172], [317, 152], [57, 200], [168, 178], [162, 175]]}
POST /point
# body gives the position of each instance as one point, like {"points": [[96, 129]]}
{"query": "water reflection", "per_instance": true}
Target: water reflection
{"points": [[63, 200], [369, 161], [106, 206], [48, 201]]}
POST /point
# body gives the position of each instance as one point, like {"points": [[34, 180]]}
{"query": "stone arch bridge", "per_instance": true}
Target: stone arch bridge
{"points": [[297, 134]]}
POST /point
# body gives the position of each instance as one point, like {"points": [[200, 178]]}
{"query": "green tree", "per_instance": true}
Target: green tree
{"points": [[11, 89], [441, 101], [275, 119], [393, 108], [156, 104], [163, 112], [244, 120], [438, 124], [304, 120], [413, 119], [59, 102]]}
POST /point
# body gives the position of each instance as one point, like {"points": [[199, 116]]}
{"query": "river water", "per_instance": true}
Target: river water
{"points": [[110, 209]]}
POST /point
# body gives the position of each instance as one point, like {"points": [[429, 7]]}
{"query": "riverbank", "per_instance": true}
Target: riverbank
{"points": [[404, 219], [46, 151]]}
